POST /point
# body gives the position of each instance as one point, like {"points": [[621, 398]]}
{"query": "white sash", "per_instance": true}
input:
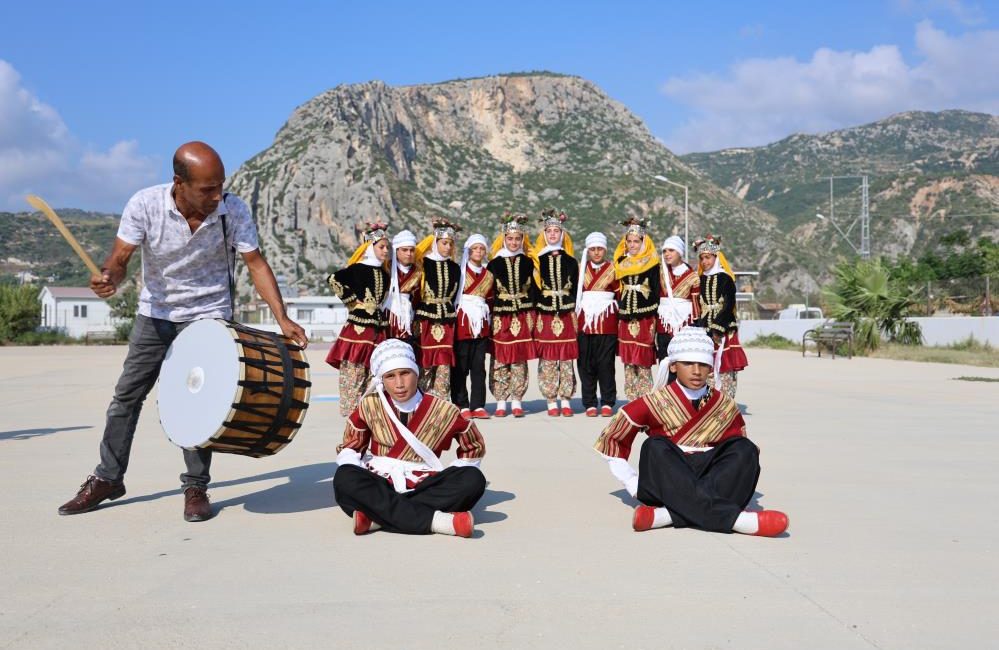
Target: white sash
{"points": [[596, 305], [400, 309], [398, 471], [476, 310]]}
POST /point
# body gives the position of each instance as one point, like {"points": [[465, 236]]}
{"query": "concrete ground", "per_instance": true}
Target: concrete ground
{"points": [[888, 471]]}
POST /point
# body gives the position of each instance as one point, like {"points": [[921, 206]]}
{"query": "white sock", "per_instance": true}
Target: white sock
{"points": [[747, 523], [661, 518], [566, 404], [443, 523], [501, 405], [515, 403], [552, 406]]}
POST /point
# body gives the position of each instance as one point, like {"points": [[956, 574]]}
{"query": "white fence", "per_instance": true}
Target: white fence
{"points": [[936, 331]]}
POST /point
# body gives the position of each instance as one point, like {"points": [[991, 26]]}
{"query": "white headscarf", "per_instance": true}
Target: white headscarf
{"points": [[471, 241], [399, 306]]}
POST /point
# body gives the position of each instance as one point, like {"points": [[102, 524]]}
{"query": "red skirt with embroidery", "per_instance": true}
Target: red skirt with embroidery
{"points": [[555, 337], [354, 345], [733, 357], [636, 341], [435, 343], [513, 340]]}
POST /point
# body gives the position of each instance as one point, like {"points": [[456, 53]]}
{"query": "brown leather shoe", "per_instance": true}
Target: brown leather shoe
{"points": [[196, 506], [92, 492]]}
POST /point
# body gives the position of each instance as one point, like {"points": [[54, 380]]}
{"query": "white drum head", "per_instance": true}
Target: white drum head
{"points": [[198, 383]]}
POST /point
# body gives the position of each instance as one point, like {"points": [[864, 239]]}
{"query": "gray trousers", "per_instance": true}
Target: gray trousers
{"points": [[147, 347]]}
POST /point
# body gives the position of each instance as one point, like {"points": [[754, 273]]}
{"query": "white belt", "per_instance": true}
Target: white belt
{"points": [[396, 470], [596, 305], [476, 310], [674, 313]]}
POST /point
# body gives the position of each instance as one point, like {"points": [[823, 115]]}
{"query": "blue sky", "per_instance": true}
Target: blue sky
{"points": [[94, 97]]}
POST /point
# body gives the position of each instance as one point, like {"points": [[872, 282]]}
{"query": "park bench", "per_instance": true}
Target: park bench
{"points": [[830, 334]]}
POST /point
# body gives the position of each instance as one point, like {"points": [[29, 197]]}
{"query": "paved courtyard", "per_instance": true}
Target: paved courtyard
{"points": [[889, 472]]}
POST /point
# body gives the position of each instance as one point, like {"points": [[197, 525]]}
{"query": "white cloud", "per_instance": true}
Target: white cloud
{"points": [[39, 154], [762, 100]]}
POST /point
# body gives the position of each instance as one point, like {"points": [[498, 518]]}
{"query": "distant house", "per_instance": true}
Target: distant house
{"points": [[322, 317], [75, 311]]}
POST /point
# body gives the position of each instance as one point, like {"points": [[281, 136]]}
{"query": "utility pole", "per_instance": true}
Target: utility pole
{"points": [[864, 218]]}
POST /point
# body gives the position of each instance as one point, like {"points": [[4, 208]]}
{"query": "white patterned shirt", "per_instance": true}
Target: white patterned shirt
{"points": [[185, 274]]}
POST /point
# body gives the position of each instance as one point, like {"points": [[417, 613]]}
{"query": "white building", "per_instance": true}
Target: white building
{"points": [[322, 317], [76, 311]]}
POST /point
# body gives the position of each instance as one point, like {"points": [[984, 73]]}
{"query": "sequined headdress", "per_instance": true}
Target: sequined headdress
{"points": [[708, 244], [635, 226], [444, 228], [375, 231]]}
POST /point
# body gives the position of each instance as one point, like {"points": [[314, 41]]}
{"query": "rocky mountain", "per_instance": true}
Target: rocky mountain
{"points": [[930, 174], [472, 149]]}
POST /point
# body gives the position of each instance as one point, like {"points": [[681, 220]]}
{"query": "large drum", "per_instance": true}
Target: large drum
{"points": [[233, 389]]}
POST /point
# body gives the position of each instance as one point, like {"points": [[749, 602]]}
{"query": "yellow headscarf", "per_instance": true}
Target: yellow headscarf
{"points": [[646, 259]]}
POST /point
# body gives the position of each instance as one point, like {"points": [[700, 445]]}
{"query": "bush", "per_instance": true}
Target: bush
{"points": [[19, 310], [47, 337], [773, 341]]}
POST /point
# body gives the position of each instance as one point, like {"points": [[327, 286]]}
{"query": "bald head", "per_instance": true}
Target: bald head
{"points": [[198, 176], [196, 159]]}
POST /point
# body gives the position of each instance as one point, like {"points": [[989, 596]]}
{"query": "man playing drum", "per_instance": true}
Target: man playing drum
{"points": [[389, 472], [186, 230]]}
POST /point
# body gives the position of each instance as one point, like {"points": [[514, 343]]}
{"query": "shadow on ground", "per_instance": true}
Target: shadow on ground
{"points": [[26, 434]]}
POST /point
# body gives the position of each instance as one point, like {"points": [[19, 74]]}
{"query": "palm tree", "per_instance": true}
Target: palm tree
{"points": [[864, 294]]}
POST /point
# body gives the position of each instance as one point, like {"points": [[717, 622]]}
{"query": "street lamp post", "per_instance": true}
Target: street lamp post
{"points": [[686, 213]]}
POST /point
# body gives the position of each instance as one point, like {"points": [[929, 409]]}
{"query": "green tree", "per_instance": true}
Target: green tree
{"points": [[19, 310], [863, 293], [124, 305]]}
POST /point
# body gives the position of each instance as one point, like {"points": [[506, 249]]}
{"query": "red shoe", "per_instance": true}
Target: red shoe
{"points": [[363, 524], [591, 412], [518, 413], [500, 413], [772, 523], [553, 413], [480, 414], [464, 524], [643, 518], [606, 411], [566, 412], [467, 414]]}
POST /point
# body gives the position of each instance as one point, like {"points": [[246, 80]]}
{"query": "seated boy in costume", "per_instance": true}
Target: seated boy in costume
{"points": [[697, 467], [390, 474]]}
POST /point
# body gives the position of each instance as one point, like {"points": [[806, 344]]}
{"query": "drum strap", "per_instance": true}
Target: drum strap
{"points": [[230, 259]]}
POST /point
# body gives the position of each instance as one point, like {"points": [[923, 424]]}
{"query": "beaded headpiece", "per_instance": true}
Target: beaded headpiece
{"points": [[444, 229], [635, 226], [512, 222], [552, 217], [375, 231], [708, 244]]}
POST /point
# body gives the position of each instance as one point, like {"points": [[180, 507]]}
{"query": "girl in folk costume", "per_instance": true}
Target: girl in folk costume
{"points": [[680, 287], [512, 313], [435, 311], [697, 467], [475, 292], [555, 336], [596, 307], [636, 266], [404, 287], [389, 472], [362, 286], [717, 305]]}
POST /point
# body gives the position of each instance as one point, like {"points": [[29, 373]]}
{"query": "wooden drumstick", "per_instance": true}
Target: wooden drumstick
{"points": [[39, 204]]}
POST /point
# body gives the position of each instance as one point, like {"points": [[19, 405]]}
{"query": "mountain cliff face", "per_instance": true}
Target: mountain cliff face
{"points": [[930, 174], [472, 149]]}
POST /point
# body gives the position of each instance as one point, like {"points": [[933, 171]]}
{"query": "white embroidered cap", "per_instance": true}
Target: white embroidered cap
{"points": [[403, 238], [692, 344], [392, 354], [476, 239], [596, 239], [675, 243]]}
